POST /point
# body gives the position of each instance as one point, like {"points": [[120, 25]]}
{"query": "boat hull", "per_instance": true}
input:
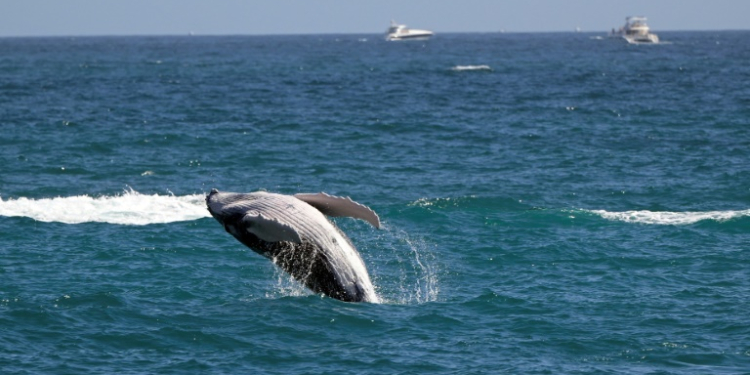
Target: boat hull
{"points": [[642, 39], [408, 37]]}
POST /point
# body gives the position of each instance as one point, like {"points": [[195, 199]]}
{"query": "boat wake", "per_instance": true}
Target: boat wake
{"points": [[670, 218], [128, 208]]}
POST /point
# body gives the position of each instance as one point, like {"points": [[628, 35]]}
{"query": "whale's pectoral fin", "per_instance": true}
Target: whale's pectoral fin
{"points": [[340, 206], [268, 229]]}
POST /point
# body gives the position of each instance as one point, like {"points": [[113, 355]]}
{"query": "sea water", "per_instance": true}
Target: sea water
{"points": [[551, 203]]}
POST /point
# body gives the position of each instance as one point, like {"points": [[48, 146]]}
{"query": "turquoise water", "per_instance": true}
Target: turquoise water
{"points": [[551, 203]]}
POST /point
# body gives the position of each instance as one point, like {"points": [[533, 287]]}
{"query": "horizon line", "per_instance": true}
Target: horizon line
{"points": [[191, 33]]}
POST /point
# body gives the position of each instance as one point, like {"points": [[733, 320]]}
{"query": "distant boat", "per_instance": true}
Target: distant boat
{"points": [[635, 31], [401, 32]]}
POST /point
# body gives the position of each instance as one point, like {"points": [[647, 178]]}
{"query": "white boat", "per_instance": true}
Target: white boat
{"points": [[635, 31], [401, 32]]}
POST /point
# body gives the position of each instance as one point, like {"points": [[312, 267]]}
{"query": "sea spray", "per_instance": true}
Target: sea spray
{"points": [[405, 268]]}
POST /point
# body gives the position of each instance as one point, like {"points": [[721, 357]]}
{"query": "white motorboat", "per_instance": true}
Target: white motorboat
{"points": [[635, 31], [401, 32]]}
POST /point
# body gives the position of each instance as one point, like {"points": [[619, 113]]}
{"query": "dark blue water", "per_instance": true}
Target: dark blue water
{"points": [[551, 203]]}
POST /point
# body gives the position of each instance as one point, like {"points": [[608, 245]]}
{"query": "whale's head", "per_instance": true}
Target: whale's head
{"points": [[225, 206]]}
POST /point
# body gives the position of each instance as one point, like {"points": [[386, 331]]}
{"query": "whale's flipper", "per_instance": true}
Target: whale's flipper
{"points": [[340, 206], [268, 229]]}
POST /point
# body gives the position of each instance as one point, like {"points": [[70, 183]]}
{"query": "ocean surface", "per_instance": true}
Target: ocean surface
{"points": [[551, 203]]}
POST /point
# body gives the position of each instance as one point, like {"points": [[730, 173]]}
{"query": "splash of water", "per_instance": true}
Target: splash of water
{"points": [[128, 208], [411, 275], [287, 286]]}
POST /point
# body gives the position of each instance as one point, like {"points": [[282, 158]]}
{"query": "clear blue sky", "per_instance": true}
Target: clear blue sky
{"points": [[179, 17]]}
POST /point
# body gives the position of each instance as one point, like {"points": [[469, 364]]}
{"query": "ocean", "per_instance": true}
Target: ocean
{"points": [[552, 203]]}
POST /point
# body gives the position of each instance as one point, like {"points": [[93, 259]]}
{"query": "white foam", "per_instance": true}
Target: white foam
{"points": [[471, 67], [128, 208], [670, 218]]}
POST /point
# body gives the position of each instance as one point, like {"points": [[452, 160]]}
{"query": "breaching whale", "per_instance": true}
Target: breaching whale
{"points": [[293, 232]]}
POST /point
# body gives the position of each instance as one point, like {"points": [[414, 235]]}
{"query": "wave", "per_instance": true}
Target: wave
{"points": [[507, 205], [459, 68], [670, 218], [128, 208]]}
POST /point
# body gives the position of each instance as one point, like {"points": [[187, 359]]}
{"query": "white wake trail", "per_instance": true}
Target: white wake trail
{"points": [[128, 208]]}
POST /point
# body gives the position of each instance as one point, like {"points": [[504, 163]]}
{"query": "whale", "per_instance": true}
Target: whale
{"points": [[295, 234]]}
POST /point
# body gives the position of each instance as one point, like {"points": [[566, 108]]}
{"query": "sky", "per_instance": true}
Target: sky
{"points": [[255, 17]]}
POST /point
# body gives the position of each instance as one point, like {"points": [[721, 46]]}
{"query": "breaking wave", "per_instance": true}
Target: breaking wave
{"points": [[128, 208], [670, 218]]}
